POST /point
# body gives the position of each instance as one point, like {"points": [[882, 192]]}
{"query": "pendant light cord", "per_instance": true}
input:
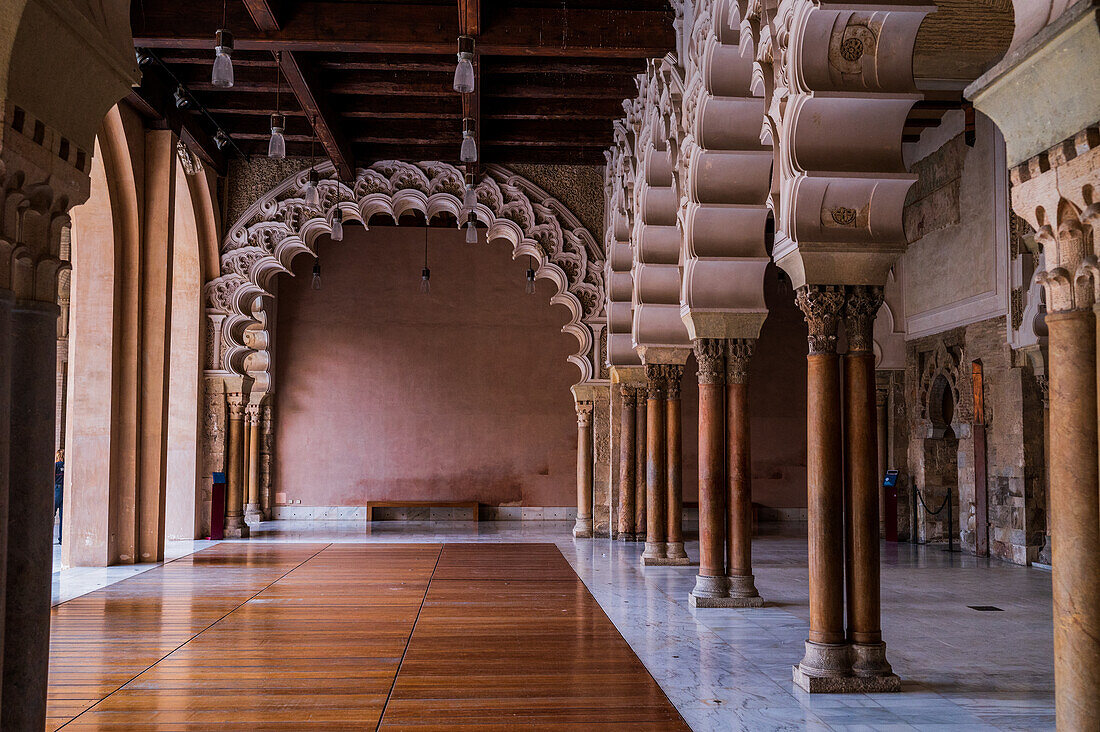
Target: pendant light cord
{"points": [[223, 13], [278, 79], [425, 246]]}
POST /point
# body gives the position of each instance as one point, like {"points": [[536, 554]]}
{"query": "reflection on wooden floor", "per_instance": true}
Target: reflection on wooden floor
{"points": [[350, 637]]}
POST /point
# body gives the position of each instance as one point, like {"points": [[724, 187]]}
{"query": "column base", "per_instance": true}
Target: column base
{"points": [[253, 514], [623, 536], [743, 587], [675, 550], [869, 660], [583, 528], [654, 552], [236, 528], [827, 669], [714, 592]]}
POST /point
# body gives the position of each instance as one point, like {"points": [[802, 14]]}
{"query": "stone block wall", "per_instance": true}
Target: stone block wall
{"points": [[941, 453]]}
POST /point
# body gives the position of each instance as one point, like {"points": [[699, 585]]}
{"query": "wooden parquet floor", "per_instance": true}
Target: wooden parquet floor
{"points": [[349, 637]]}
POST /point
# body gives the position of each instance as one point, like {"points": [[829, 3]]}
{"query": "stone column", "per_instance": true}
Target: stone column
{"points": [[235, 526], [253, 511], [583, 527], [640, 461], [711, 583], [739, 560], [862, 492], [267, 444], [674, 511], [1074, 517], [882, 421], [655, 471], [626, 463], [29, 558], [826, 663]]}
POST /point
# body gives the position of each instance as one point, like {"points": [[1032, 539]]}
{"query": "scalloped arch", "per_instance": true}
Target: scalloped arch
{"points": [[279, 226]]}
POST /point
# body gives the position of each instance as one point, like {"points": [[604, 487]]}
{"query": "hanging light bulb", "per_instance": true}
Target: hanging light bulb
{"points": [[471, 229], [310, 193], [468, 152], [425, 274], [222, 75], [464, 72], [221, 139], [469, 198], [337, 225], [276, 146], [530, 288], [316, 284]]}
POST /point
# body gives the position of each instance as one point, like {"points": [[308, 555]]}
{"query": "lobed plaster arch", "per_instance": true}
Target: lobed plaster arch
{"points": [[279, 226]]}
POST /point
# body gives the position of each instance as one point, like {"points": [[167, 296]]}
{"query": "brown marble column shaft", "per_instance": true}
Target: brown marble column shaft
{"points": [[7, 302], [640, 437], [235, 526], [882, 400], [743, 591], [1075, 517], [656, 472], [826, 649], [29, 552], [253, 511], [583, 526], [711, 581], [674, 510], [862, 493], [626, 463]]}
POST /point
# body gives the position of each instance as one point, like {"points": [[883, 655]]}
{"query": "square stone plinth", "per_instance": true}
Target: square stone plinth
{"points": [[725, 601], [667, 562], [846, 684]]}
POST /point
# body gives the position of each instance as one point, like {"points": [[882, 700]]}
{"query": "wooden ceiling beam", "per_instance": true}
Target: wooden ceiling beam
{"points": [[325, 121], [263, 15], [325, 25], [153, 100], [469, 24]]}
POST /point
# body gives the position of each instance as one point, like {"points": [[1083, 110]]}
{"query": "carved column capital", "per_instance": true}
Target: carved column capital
{"points": [[584, 414], [821, 305], [860, 308], [738, 354], [674, 373], [628, 393], [235, 401], [655, 380], [882, 396], [710, 353], [252, 413]]}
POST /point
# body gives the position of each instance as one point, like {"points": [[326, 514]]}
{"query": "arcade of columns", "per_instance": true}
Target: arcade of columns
{"points": [[689, 192]]}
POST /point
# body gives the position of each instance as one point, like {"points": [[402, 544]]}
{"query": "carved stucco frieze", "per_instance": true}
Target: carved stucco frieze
{"points": [[279, 226]]}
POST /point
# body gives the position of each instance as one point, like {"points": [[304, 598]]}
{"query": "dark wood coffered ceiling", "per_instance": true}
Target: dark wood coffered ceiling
{"points": [[377, 75]]}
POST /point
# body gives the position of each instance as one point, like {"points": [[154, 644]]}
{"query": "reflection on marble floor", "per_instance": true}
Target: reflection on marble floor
{"points": [[77, 581], [730, 669]]}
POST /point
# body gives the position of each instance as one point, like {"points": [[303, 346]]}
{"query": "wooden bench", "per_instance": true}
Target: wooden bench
{"points": [[472, 505]]}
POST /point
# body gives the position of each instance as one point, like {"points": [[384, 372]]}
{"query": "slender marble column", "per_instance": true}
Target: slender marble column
{"points": [[252, 511], [1075, 517], [626, 464], [711, 582], [743, 591], [827, 653], [656, 474], [882, 399], [30, 515], [862, 504], [235, 526], [674, 511], [7, 301], [583, 527], [640, 436]]}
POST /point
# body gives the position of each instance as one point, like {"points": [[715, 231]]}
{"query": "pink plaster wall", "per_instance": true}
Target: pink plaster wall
{"points": [[383, 393]]}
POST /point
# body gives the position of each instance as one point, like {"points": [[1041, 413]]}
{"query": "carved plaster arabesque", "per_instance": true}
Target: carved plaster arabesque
{"points": [[710, 355], [279, 226], [738, 355], [822, 306]]}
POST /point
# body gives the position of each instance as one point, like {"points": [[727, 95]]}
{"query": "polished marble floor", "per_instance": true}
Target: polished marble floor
{"points": [[728, 669]]}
